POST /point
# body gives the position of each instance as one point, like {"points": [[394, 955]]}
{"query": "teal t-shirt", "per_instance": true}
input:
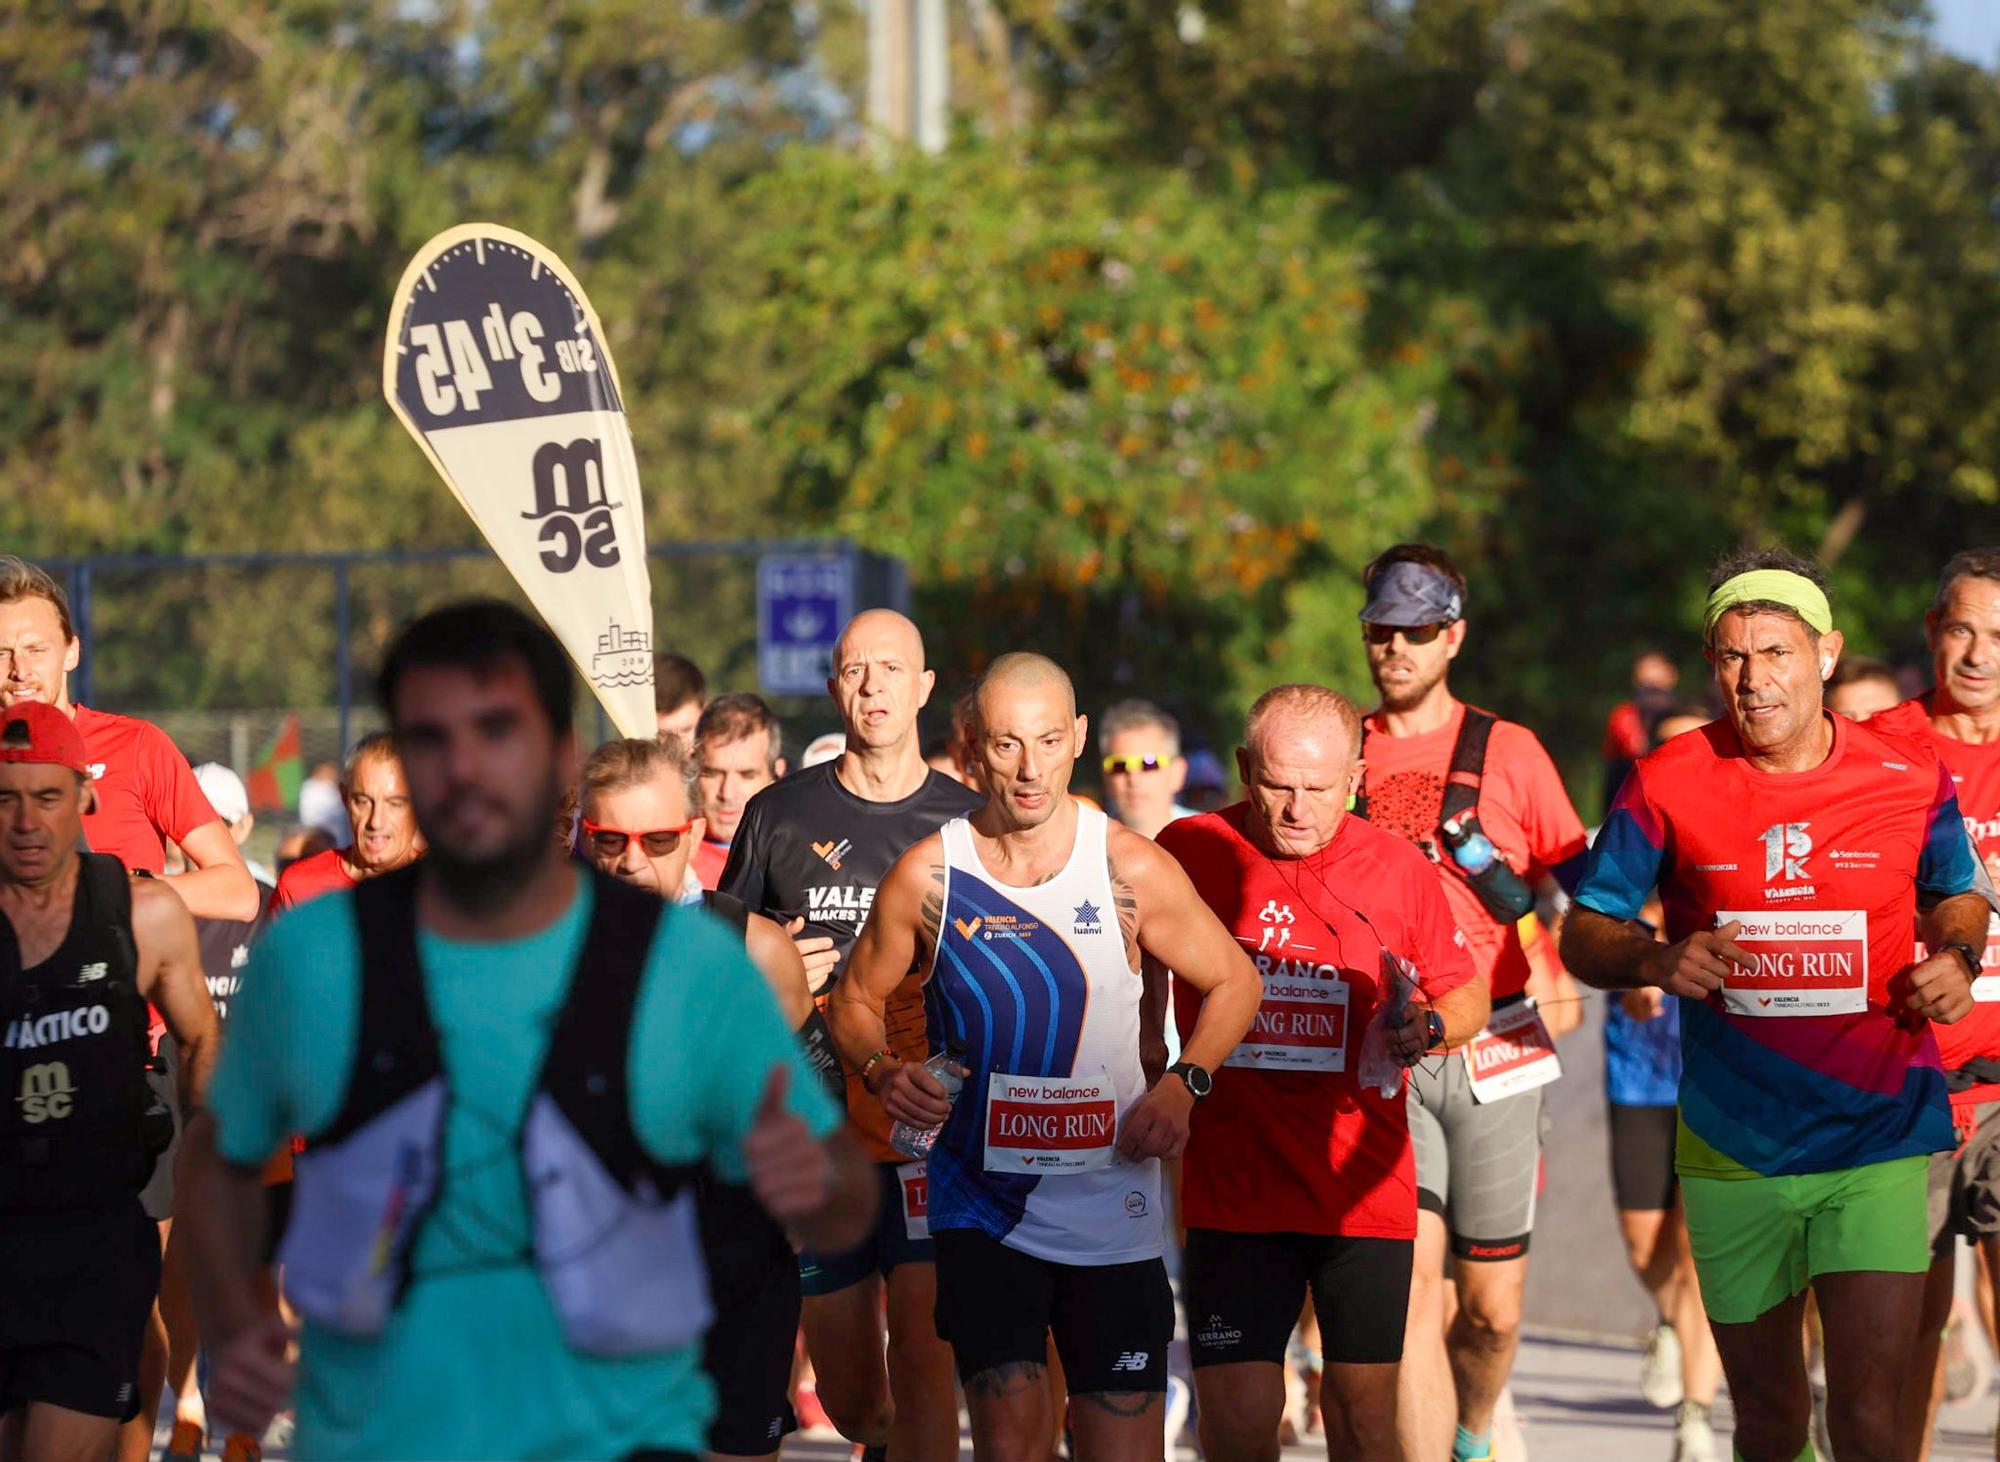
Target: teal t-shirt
{"points": [[473, 1364]]}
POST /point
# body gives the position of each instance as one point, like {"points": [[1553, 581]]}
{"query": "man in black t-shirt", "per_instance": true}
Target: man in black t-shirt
{"points": [[809, 853]]}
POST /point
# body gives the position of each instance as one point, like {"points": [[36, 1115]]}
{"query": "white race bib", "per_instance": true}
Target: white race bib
{"points": [[1050, 1124], [1301, 1025], [1809, 962], [1515, 1053], [914, 1186]]}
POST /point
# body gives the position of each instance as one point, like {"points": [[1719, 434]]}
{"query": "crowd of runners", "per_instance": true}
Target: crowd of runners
{"points": [[645, 1100]]}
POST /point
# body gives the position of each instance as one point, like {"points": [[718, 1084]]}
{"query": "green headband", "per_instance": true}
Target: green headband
{"points": [[1771, 586]]}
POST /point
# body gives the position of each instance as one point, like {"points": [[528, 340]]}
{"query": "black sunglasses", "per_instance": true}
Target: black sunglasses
{"points": [[1416, 634]]}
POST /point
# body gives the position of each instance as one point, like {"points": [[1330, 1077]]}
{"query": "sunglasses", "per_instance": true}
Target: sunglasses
{"points": [[1416, 634], [1131, 766], [609, 842]]}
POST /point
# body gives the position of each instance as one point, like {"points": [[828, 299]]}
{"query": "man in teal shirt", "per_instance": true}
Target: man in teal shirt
{"points": [[472, 1361]]}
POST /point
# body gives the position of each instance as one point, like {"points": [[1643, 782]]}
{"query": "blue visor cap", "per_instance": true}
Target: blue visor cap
{"points": [[1411, 594]]}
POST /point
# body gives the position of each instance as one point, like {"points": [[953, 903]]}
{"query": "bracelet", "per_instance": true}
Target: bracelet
{"points": [[868, 1066]]}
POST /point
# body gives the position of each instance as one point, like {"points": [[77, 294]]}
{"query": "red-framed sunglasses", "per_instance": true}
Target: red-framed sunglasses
{"points": [[609, 842]]}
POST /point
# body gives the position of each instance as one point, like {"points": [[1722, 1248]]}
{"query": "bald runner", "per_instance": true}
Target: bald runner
{"points": [[809, 853], [1032, 924]]}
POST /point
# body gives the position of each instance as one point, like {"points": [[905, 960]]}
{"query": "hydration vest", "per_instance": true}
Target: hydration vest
{"points": [[73, 1050], [615, 1235]]}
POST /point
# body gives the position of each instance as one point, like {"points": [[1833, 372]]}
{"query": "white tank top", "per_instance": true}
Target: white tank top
{"points": [[1034, 982]]}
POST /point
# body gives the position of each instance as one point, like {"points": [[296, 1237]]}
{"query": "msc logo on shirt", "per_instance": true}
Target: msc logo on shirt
{"points": [[833, 851], [46, 1093], [1786, 848]]}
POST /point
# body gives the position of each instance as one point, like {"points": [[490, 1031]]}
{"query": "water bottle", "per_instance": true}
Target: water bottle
{"points": [[945, 1066], [1470, 848]]}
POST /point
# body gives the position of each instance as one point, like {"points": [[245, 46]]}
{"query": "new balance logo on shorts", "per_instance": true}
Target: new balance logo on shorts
{"points": [[1132, 1360]]}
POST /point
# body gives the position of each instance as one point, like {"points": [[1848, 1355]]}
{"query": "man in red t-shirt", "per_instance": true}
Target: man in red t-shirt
{"points": [[1298, 1176], [1494, 825], [740, 749], [1960, 721], [385, 829], [146, 792]]}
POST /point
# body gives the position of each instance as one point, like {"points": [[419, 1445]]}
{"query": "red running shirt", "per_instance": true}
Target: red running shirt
{"points": [[309, 878], [1289, 1141], [1975, 773], [146, 791], [710, 858], [1523, 809]]}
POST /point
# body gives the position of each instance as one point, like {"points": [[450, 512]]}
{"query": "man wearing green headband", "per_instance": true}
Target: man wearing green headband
{"points": [[1792, 850]]}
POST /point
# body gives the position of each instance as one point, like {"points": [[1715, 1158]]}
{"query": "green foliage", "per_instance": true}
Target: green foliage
{"points": [[1210, 302]]}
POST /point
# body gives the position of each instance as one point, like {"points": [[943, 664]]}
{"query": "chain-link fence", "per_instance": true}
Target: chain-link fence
{"points": [[219, 650]]}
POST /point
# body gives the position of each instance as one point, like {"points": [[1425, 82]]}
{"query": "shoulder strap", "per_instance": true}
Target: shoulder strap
{"points": [[1468, 764], [732, 911], [396, 1047], [588, 1067], [107, 887]]}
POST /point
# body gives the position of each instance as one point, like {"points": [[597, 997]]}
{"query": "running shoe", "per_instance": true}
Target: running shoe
{"points": [[1660, 1370], [1694, 1439], [242, 1447], [185, 1444]]}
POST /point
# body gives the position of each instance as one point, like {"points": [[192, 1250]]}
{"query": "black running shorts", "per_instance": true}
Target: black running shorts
{"points": [[754, 1285], [76, 1290], [1243, 1294], [1642, 1157], [996, 1306]]}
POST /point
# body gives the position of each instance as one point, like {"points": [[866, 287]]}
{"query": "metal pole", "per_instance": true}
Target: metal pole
{"points": [[931, 72], [343, 658]]}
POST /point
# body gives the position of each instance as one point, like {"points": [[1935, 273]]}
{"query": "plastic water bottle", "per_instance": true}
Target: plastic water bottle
{"points": [[1470, 848], [945, 1066]]}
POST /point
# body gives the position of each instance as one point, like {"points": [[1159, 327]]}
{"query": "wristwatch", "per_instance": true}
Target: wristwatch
{"points": [[1197, 1080], [1967, 953], [1433, 1030]]}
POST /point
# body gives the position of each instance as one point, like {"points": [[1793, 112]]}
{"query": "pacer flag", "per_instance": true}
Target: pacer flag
{"points": [[497, 365]]}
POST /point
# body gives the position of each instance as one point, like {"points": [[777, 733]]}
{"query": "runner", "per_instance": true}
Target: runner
{"points": [[1027, 922], [299, 842], [1860, 688], [82, 950], [809, 853], [1300, 1177], [1628, 730], [1481, 797], [1144, 770], [1642, 1077], [441, 1032], [1960, 720], [145, 796], [637, 826], [385, 834], [1791, 849], [679, 692], [740, 748]]}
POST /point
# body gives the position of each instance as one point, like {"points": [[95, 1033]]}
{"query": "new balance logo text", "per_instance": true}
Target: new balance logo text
{"points": [[1132, 1360]]}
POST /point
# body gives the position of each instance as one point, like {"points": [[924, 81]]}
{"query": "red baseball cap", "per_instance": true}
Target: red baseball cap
{"points": [[34, 731]]}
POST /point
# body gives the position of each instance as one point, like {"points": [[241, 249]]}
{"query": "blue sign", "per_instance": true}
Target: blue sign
{"points": [[803, 601]]}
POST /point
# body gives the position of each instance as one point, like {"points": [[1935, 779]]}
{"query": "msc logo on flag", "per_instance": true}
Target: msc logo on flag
{"points": [[569, 502], [46, 1095]]}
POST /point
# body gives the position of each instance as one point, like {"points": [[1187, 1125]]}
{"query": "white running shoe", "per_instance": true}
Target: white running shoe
{"points": [[1660, 1371], [1694, 1440]]}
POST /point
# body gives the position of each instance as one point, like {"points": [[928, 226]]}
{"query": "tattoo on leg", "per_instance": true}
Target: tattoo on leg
{"points": [[1009, 1378], [1121, 1403]]}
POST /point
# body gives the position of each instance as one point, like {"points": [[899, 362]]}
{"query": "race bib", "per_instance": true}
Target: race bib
{"points": [[915, 1188], [1050, 1124], [1301, 1026], [1809, 962], [1515, 1053]]}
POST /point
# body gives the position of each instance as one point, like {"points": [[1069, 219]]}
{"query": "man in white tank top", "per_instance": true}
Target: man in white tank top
{"points": [[1037, 925]]}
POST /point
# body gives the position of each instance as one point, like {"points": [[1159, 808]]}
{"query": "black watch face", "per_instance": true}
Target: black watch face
{"points": [[1198, 1081]]}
